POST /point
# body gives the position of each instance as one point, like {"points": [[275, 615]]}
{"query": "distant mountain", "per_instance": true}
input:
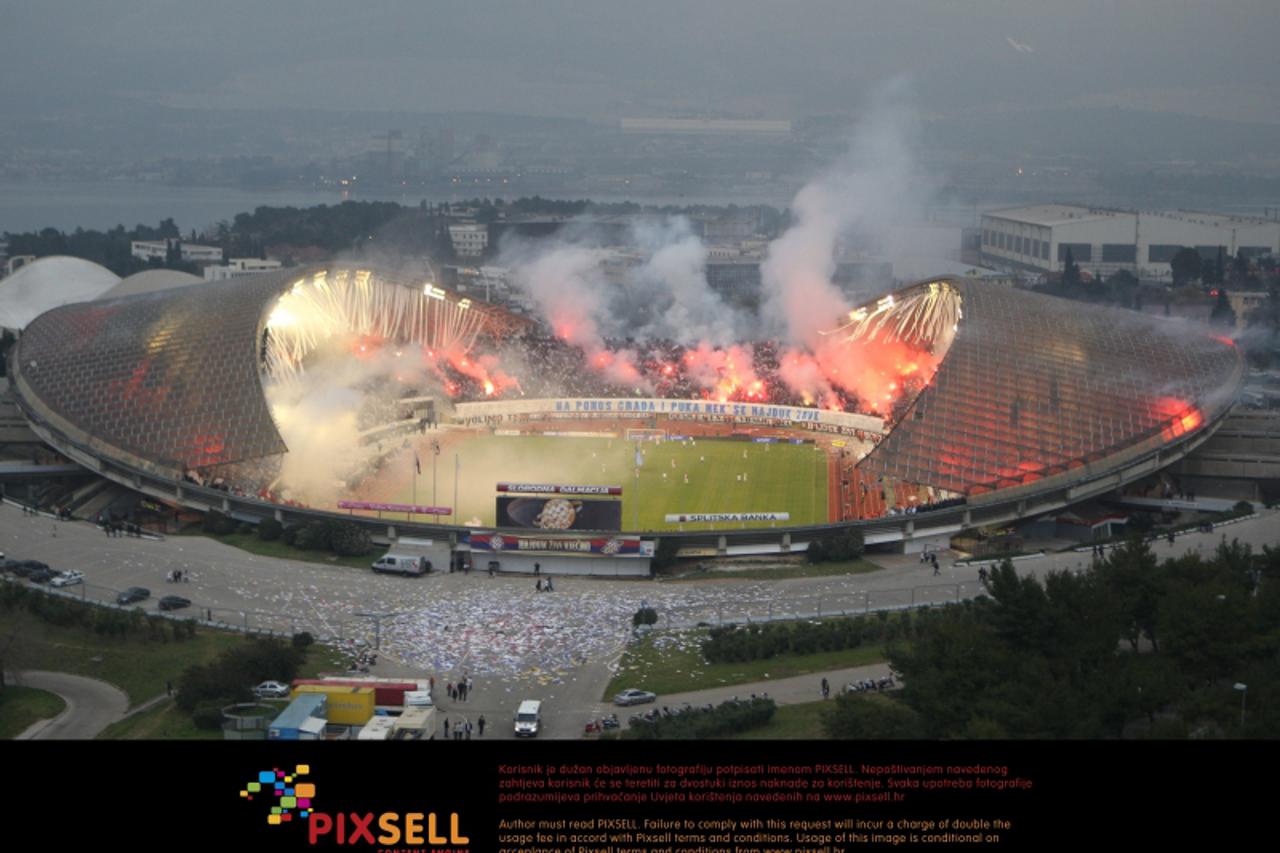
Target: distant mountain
{"points": [[1108, 136]]}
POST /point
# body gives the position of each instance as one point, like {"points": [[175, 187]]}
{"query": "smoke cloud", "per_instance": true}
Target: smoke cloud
{"points": [[872, 187]]}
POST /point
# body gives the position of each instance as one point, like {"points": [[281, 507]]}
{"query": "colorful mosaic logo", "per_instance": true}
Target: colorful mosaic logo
{"points": [[282, 793]]}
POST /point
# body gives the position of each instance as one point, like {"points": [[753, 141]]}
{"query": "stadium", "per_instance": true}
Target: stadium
{"points": [[418, 411]]}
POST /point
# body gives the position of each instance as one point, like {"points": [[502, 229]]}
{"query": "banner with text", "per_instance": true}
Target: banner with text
{"points": [[505, 411], [696, 517], [410, 508], [556, 489], [607, 546]]}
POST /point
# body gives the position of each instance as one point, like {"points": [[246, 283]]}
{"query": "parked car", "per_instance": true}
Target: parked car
{"points": [[634, 697], [42, 575], [25, 568], [70, 578], [174, 602], [132, 594], [271, 690]]}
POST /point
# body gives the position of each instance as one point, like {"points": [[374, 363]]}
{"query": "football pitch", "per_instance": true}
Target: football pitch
{"points": [[702, 476]]}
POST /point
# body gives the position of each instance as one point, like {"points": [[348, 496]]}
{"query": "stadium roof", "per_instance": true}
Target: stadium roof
{"points": [[48, 283], [1034, 386], [173, 378], [1030, 386], [149, 281]]}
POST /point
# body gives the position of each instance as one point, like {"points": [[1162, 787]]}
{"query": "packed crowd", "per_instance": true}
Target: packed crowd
{"points": [[657, 368]]}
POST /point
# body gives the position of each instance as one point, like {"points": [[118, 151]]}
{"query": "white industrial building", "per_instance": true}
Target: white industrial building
{"points": [[1037, 238], [469, 239], [159, 249], [238, 267]]}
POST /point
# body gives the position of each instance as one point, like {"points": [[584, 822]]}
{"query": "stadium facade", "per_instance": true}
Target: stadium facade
{"points": [[1036, 402]]}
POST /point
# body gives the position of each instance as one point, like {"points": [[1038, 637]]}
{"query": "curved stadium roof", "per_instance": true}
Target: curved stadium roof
{"points": [[47, 283], [1030, 387], [1033, 386], [171, 380]]}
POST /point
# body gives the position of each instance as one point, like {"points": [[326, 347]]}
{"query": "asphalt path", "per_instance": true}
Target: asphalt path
{"points": [[514, 642], [92, 705]]}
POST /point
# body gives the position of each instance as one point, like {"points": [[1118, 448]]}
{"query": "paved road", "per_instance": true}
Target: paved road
{"points": [[92, 705], [516, 643]]}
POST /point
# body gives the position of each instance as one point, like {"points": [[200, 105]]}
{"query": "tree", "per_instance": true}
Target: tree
{"points": [[1070, 272], [1185, 265], [1222, 314], [855, 717]]}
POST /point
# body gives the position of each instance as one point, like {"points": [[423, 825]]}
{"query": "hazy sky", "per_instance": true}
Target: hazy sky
{"points": [[604, 59]]}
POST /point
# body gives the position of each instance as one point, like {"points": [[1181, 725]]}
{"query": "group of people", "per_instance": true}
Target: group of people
{"points": [[458, 691], [664, 367], [462, 730]]}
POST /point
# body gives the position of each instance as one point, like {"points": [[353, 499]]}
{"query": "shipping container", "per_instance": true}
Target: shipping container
{"points": [[347, 706], [386, 693], [303, 719]]}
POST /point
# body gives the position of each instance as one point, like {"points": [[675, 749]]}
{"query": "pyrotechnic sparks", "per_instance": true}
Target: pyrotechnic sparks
{"points": [[345, 305]]}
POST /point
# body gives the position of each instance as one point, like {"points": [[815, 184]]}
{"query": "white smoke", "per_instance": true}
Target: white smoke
{"points": [[657, 287], [672, 284], [318, 413], [870, 188]]}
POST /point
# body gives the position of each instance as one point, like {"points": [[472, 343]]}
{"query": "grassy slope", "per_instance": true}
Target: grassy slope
{"points": [[22, 706], [138, 667], [673, 664], [791, 722]]}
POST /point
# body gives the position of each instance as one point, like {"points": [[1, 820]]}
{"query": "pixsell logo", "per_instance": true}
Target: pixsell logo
{"points": [[288, 800], [281, 794]]}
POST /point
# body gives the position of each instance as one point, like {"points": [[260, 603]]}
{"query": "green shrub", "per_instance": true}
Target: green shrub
{"points": [[207, 716], [347, 539], [644, 616], [270, 530], [727, 718]]}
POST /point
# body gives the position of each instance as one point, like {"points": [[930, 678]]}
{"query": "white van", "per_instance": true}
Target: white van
{"points": [[528, 718], [403, 564]]}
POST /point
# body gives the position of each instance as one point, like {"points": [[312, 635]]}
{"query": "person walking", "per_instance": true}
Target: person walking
{"points": [[826, 688], [480, 725], [446, 728]]}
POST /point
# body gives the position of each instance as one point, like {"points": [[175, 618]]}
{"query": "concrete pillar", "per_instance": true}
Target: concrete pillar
{"points": [[279, 515], [226, 506], [786, 543], [722, 546], [967, 519], [391, 532]]}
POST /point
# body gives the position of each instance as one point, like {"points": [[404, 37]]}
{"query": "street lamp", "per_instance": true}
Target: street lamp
{"points": [[1244, 694]]}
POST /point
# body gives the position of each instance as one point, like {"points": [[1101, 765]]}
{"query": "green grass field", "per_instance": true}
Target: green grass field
{"points": [[778, 477]]}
